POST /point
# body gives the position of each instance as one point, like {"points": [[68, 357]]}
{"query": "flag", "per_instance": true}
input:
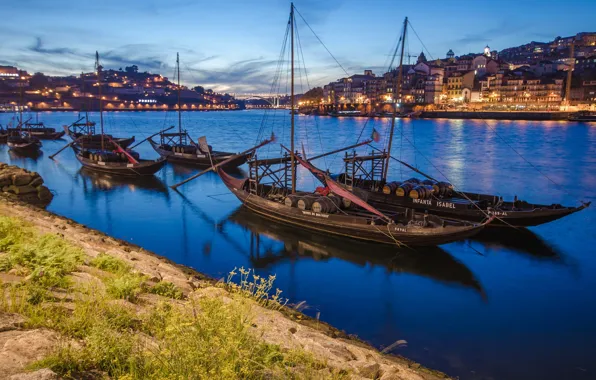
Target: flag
{"points": [[376, 137], [203, 146]]}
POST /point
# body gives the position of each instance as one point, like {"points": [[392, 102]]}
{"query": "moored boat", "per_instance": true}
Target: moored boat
{"points": [[84, 134], [21, 143], [179, 147], [333, 209], [370, 175], [111, 157]]}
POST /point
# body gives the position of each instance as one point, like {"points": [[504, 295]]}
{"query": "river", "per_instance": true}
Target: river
{"points": [[505, 305]]}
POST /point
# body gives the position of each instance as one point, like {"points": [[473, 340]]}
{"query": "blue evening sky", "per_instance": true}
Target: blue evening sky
{"points": [[234, 44]]}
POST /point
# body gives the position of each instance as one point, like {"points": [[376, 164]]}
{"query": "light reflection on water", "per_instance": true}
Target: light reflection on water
{"points": [[501, 305]]}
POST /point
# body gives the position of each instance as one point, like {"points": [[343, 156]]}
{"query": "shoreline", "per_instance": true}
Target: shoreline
{"points": [[340, 350]]}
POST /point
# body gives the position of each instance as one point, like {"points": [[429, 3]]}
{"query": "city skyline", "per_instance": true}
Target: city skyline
{"points": [[235, 46]]}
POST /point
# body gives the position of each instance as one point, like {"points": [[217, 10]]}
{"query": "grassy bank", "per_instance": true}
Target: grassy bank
{"points": [[113, 320]]}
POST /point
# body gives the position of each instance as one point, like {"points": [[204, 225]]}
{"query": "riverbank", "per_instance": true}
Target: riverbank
{"points": [[496, 115], [80, 303]]}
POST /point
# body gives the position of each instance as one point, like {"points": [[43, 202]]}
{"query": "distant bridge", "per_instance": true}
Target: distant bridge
{"points": [[272, 99]]}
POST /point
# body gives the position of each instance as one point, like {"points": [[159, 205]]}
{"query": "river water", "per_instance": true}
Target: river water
{"points": [[505, 305]]}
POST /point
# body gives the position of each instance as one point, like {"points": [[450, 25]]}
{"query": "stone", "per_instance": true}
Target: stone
{"points": [[22, 348], [293, 330], [22, 189], [371, 371], [36, 182], [42, 374], [21, 179], [10, 322]]}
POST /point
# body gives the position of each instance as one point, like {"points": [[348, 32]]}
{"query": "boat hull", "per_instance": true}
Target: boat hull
{"points": [[24, 147], [353, 227], [46, 135], [143, 168], [450, 208], [201, 160]]}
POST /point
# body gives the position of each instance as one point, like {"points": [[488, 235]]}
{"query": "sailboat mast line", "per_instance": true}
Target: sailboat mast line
{"points": [[292, 101], [98, 68], [275, 84], [396, 96]]}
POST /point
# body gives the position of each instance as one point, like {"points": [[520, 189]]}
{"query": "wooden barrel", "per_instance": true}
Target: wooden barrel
{"points": [[404, 189], [324, 205], [305, 202], [390, 187], [421, 192], [443, 189], [336, 199], [414, 180], [346, 203], [291, 200]]}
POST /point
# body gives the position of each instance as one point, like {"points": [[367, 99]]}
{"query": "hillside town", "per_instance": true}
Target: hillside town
{"points": [[534, 76], [123, 89]]}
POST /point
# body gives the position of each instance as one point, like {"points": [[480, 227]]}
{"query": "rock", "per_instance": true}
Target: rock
{"points": [[293, 330], [36, 182], [22, 348], [21, 179], [10, 322], [42, 374], [44, 194], [22, 189], [371, 371]]}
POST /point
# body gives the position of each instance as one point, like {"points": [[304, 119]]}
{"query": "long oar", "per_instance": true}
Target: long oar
{"points": [[66, 146], [265, 142], [155, 134]]}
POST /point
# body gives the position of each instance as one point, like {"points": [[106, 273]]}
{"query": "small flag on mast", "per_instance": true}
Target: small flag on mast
{"points": [[376, 137]]}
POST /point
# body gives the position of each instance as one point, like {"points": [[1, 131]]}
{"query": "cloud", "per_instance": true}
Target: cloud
{"points": [[39, 48]]}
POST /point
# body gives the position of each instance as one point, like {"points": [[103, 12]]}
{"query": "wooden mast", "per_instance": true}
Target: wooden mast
{"points": [[98, 68], [21, 84], [179, 109], [396, 95], [292, 102]]}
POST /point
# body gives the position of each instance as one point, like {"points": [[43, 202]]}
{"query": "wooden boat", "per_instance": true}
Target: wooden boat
{"points": [[178, 147], [583, 116], [430, 262], [439, 198], [333, 210], [86, 137], [40, 131], [23, 144], [3, 135], [111, 157], [115, 164]]}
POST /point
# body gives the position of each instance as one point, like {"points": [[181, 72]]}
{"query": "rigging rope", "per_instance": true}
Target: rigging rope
{"points": [[317, 37], [424, 46]]}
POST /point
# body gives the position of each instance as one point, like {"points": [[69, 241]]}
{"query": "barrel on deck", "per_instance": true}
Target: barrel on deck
{"points": [[414, 180], [421, 192], [404, 189], [324, 205], [443, 189], [390, 187], [291, 200], [305, 202]]}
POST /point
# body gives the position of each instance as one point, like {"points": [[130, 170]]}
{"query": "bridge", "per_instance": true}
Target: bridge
{"points": [[272, 99]]}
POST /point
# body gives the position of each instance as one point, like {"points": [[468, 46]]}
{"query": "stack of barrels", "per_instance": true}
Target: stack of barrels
{"points": [[189, 149], [417, 189], [109, 156], [329, 204]]}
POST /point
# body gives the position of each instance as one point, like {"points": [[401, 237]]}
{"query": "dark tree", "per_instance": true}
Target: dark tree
{"points": [[38, 81], [132, 69], [314, 95], [199, 89]]}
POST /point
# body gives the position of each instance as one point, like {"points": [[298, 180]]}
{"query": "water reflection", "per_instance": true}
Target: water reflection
{"points": [[522, 241], [22, 156], [272, 243], [94, 181]]}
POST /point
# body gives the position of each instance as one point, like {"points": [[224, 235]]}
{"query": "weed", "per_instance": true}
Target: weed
{"points": [[256, 287], [110, 264], [167, 289], [126, 286]]}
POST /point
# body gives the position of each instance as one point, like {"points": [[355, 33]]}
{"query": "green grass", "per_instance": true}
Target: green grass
{"points": [[110, 264], [45, 259], [196, 338], [126, 286], [167, 289]]}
